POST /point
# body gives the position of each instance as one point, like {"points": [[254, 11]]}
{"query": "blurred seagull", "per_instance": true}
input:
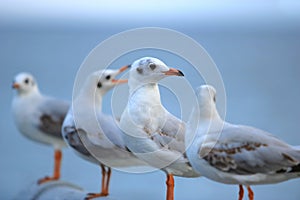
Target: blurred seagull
{"points": [[151, 132], [93, 135], [237, 154], [39, 117]]}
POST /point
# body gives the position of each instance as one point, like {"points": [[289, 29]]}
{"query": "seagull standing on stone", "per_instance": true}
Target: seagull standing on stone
{"points": [[151, 132], [94, 135], [39, 117], [237, 154]]}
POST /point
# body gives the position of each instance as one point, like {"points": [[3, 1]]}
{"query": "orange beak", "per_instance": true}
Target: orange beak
{"points": [[173, 72], [120, 81], [15, 86], [124, 68]]}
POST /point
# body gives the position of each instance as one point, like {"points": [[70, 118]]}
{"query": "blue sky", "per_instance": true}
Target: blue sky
{"points": [[93, 11], [260, 70]]}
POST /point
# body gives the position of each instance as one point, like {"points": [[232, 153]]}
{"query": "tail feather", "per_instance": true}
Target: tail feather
{"points": [[295, 169]]}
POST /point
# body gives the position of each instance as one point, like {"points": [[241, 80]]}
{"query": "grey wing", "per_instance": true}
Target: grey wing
{"points": [[172, 133], [73, 139], [111, 130], [71, 135], [52, 114], [246, 150]]}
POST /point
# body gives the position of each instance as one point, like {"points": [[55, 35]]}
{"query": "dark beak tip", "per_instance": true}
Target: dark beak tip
{"points": [[180, 73]]}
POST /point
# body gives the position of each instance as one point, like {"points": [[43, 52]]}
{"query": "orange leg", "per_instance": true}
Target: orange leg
{"points": [[105, 183], [108, 180], [250, 193], [241, 192], [170, 187], [103, 171], [57, 164]]}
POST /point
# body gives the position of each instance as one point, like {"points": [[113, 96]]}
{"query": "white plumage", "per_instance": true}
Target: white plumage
{"points": [[39, 117], [237, 154], [151, 132], [94, 135]]}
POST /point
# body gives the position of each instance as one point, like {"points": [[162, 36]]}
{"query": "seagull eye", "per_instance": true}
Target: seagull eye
{"points": [[99, 85], [107, 77], [139, 70], [26, 81], [152, 66]]}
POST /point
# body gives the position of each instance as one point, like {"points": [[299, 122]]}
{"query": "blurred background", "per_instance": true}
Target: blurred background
{"points": [[255, 45]]}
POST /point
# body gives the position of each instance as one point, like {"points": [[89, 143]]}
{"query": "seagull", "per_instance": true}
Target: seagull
{"points": [[39, 117], [93, 135], [237, 154], [151, 132]]}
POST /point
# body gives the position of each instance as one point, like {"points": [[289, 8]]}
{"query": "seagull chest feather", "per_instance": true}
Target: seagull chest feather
{"points": [[27, 115], [146, 111], [23, 107]]}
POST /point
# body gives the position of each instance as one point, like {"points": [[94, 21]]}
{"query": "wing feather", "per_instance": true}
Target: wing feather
{"points": [[246, 150], [52, 114]]}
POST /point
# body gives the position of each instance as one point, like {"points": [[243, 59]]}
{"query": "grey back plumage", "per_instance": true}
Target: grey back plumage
{"points": [[52, 114], [247, 150]]}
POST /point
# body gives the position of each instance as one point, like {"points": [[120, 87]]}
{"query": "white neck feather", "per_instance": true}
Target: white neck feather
{"points": [[149, 90]]}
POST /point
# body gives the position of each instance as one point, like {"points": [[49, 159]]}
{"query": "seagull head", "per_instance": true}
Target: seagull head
{"points": [[102, 81], [24, 84], [150, 70], [206, 95]]}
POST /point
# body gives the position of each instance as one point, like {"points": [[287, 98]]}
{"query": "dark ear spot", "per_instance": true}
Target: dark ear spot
{"points": [[215, 99], [99, 85], [139, 70], [152, 66]]}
